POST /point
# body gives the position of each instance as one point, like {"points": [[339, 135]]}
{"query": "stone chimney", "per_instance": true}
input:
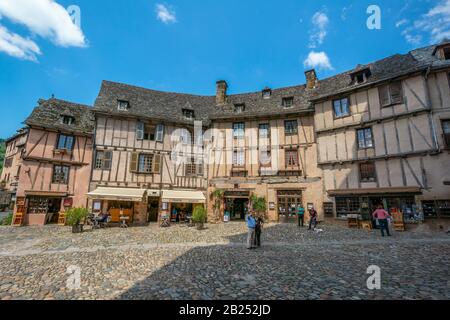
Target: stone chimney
{"points": [[221, 92], [311, 79]]}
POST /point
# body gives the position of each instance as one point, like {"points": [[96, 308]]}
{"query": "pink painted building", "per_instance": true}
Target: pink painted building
{"points": [[56, 165]]}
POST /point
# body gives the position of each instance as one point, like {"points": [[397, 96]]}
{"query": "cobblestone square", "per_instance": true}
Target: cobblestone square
{"points": [[184, 263]]}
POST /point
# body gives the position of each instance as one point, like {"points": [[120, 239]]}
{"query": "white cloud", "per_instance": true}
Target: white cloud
{"points": [[165, 14], [45, 18], [18, 47], [401, 23], [345, 11], [318, 60], [319, 32], [434, 26]]}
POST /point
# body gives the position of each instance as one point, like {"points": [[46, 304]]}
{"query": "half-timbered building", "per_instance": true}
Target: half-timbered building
{"points": [[137, 132], [56, 161], [382, 134], [12, 166], [376, 134]]}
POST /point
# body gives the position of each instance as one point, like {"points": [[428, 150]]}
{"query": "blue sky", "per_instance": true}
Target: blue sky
{"points": [[185, 46]]}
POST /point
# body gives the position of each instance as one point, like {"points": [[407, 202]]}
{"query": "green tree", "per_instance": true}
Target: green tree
{"points": [[2, 153]]}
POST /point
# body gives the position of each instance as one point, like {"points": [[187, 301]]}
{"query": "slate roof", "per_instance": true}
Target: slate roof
{"points": [[167, 106], [146, 103], [382, 70], [49, 113], [256, 105]]}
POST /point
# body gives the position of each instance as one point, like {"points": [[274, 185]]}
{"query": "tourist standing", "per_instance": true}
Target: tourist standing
{"points": [[382, 216], [251, 224], [312, 218], [258, 231], [301, 215]]}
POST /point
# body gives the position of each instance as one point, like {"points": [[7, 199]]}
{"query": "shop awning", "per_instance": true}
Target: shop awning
{"points": [[176, 196], [118, 194], [45, 193], [376, 191]]}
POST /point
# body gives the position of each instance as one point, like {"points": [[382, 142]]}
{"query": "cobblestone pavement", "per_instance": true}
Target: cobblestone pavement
{"points": [[183, 263]]}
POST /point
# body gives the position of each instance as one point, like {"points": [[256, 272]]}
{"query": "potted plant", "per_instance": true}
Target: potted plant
{"points": [[75, 217], [259, 205], [199, 217]]}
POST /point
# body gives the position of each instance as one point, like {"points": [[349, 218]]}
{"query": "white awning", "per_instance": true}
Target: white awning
{"points": [[176, 196], [118, 194]]}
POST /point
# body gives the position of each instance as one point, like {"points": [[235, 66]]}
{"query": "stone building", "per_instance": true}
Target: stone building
{"points": [[56, 161]]}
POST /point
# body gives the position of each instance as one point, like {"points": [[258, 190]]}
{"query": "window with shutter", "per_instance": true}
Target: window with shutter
{"points": [[134, 162], [384, 96], [157, 163], [200, 169], [396, 92], [103, 160], [291, 158], [160, 133], [391, 94], [107, 160], [140, 130]]}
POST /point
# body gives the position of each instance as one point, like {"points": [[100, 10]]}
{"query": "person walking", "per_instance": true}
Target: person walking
{"points": [[312, 218], [258, 231], [301, 215], [382, 216], [251, 224]]}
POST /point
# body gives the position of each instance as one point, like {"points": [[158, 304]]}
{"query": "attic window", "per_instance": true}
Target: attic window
{"points": [[123, 105], [288, 102], [267, 93], [239, 108], [188, 114], [361, 76], [68, 120], [446, 53]]}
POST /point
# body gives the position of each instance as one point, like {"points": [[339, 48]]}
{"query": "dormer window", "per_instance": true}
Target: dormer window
{"points": [[288, 102], [68, 120], [188, 114], [361, 76], [446, 53], [266, 93], [239, 108], [123, 105]]}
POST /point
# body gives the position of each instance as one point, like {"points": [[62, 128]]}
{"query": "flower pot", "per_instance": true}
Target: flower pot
{"points": [[199, 225], [78, 228]]}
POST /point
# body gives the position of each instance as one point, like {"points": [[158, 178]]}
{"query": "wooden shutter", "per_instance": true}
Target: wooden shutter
{"points": [[396, 92], [140, 131], [200, 169], [157, 158], [160, 133], [134, 162], [107, 160], [383, 92]]}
